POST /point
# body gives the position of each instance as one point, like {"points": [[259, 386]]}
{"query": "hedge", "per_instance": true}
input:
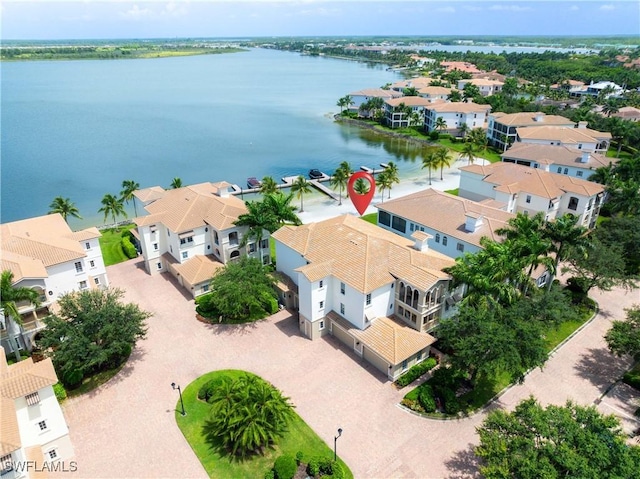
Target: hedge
{"points": [[128, 248], [285, 467], [415, 372]]}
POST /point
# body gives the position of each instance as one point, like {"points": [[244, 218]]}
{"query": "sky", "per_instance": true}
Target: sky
{"points": [[90, 19]]}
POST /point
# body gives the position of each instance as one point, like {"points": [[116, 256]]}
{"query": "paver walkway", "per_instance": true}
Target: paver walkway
{"points": [[126, 428]]}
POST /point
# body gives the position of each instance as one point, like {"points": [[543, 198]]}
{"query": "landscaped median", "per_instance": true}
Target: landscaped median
{"points": [[299, 441]]}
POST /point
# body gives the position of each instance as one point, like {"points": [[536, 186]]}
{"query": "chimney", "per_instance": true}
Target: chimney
{"points": [[585, 157], [223, 190], [539, 117], [582, 124], [473, 222], [420, 240]]}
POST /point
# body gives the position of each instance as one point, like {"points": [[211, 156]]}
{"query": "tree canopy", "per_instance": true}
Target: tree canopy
{"points": [[65, 207], [10, 295], [624, 336], [533, 442]]}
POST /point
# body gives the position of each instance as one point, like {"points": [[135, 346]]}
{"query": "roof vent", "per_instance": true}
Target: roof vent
{"points": [[585, 157], [473, 222], [539, 117]]}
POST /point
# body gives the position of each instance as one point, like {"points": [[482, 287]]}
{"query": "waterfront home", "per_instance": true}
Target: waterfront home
{"points": [[521, 189], [454, 224], [565, 160], [190, 232], [377, 292], [461, 66], [572, 87], [581, 137], [434, 93], [456, 114], [486, 87], [417, 83], [44, 254], [362, 96], [413, 114], [501, 131], [34, 436]]}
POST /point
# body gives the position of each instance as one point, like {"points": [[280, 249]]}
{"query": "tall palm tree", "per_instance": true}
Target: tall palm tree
{"points": [[361, 186], [345, 102], [430, 161], [268, 186], [300, 186], [564, 233], [112, 206], [339, 180], [603, 175], [345, 166], [394, 176], [176, 183], [440, 124], [478, 137], [610, 108], [464, 129], [444, 159], [280, 207], [384, 183], [10, 295], [65, 207], [469, 150], [258, 219], [126, 195]]}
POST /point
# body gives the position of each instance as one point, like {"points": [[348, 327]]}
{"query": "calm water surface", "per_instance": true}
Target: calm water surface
{"points": [[78, 128]]}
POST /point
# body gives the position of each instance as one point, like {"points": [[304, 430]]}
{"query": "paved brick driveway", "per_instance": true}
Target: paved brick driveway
{"points": [[126, 428]]}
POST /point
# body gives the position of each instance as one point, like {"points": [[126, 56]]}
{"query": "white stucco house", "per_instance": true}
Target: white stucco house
{"points": [[45, 255], [190, 232], [501, 130], [417, 83], [434, 93], [375, 291], [34, 437], [487, 87], [396, 118], [455, 114], [520, 189], [580, 137], [565, 160], [362, 96]]}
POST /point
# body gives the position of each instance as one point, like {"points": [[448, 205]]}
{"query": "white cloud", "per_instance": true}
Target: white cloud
{"points": [[574, 8], [607, 8], [446, 10], [473, 8], [136, 13], [510, 8], [174, 9]]}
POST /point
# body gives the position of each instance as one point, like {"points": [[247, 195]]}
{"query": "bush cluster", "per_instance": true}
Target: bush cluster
{"points": [[285, 467], [206, 390], [415, 372], [319, 466], [128, 248], [60, 392], [632, 378]]}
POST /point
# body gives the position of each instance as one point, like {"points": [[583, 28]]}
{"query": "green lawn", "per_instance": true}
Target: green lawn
{"points": [[489, 154], [111, 246], [371, 218], [299, 438], [453, 192]]}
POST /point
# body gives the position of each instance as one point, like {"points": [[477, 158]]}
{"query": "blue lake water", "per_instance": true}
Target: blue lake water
{"points": [[78, 128]]}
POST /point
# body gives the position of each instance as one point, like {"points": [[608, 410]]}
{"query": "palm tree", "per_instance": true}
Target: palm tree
{"points": [[9, 297], [603, 175], [469, 151], [258, 219], [430, 161], [478, 137], [126, 195], [300, 186], [280, 207], [464, 129], [384, 183], [339, 180], [344, 102], [440, 124], [346, 168], [444, 159], [610, 108], [361, 186], [394, 176], [410, 91], [565, 233], [176, 183], [65, 207], [112, 206], [268, 185]]}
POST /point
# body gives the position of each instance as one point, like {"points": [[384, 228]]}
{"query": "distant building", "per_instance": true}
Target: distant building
{"points": [[455, 114], [486, 87], [417, 83], [434, 93], [461, 66], [395, 117], [362, 96], [501, 130], [628, 113], [582, 138]]}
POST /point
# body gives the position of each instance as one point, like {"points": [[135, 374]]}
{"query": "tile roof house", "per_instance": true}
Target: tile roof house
{"points": [[530, 190], [501, 131], [461, 66], [628, 113], [487, 87], [581, 137], [417, 83], [434, 93], [362, 96], [561, 159], [454, 224], [45, 255], [190, 232], [34, 437], [375, 291], [455, 114], [395, 117]]}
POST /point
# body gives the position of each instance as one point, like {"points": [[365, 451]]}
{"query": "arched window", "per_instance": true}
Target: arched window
{"points": [[415, 298], [407, 298], [401, 292], [437, 238], [234, 254]]}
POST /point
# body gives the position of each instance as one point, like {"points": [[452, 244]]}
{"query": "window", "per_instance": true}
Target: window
{"points": [[159, 265], [573, 203], [42, 425], [205, 287], [528, 200], [96, 281], [566, 171], [168, 233], [368, 299], [78, 266], [155, 246], [444, 241], [404, 364], [342, 288], [437, 237], [384, 218], [460, 247], [234, 254], [53, 454], [321, 304], [322, 283], [252, 247], [87, 246], [399, 224], [185, 254], [233, 238], [188, 239], [342, 308], [579, 146], [92, 264], [216, 240], [559, 169], [321, 325], [82, 285], [579, 173], [32, 399], [264, 244], [6, 465]]}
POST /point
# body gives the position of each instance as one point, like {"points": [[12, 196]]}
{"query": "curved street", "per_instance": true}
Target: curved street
{"points": [[126, 428]]}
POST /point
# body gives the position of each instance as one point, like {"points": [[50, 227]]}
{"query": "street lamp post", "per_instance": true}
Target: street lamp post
{"points": [[335, 444], [175, 386]]}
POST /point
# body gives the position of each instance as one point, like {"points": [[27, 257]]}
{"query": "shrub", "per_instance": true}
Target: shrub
{"points": [[426, 399], [451, 403], [285, 467], [415, 372], [434, 135], [299, 457], [270, 475], [632, 378], [72, 378], [326, 465], [207, 389], [60, 392], [337, 471], [270, 303], [128, 248], [313, 467]]}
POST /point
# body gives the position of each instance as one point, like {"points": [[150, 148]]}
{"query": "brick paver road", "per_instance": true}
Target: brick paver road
{"points": [[126, 428]]}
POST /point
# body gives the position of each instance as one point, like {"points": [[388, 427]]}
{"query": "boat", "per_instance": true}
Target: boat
{"points": [[315, 174], [253, 182]]}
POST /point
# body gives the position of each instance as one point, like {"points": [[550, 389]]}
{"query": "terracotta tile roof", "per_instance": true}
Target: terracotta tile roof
{"points": [[190, 207], [34, 454], [27, 377], [149, 194], [462, 66], [9, 430], [377, 92], [198, 269], [529, 119], [556, 154], [628, 112], [418, 82], [434, 90], [562, 133], [462, 107], [45, 239], [391, 339], [362, 255], [482, 82], [512, 178], [447, 213], [409, 101]]}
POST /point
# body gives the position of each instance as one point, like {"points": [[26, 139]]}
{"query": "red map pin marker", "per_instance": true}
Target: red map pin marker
{"points": [[361, 202]]}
